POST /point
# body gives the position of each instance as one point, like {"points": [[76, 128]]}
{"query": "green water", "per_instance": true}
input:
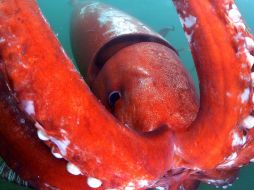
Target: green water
{"points": [[157, 14]]}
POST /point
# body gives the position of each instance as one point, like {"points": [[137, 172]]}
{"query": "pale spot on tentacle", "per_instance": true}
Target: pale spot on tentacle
{"points": [[22, 121], [55, 153], [189, 36], [228, 94], [38, 125], [142, 183], [61, 144], [234, 15], [245, 95], [42, 135], [72, 169], [248, 122], [50, 187], [189, 21], [232, 156], [216, 182], [237, 140], [160, 188], [249, 43], [250, 58], [2, 40], [93, 182], [226, 164], [129, 188], [28, 107], [229, 161]]}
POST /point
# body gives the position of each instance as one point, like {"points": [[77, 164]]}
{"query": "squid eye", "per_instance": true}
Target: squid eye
{"points": [[113, 97]]}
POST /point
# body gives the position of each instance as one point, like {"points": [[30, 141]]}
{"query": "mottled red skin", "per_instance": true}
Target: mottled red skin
{"points": [[25, 153], [115, 76], [36, 69], [39, 71], [154, 86], [208, 142], [209, 139], [206, 132]]}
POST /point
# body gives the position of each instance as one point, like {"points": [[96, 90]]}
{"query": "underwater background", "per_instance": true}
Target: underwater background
{"points": [[161, 16]]}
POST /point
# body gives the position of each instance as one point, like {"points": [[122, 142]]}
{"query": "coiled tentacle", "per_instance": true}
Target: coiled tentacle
{"points": [[40, 87], [67, 115], [219, 42], [25, 153]]}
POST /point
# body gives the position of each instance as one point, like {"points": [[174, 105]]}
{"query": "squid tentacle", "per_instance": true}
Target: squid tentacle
{"points": [[67, 115], [42, 94], [41, 170], [218, 39]]}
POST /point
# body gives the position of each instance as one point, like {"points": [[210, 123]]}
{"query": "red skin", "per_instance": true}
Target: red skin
{"points": [[37, 70], [150, 85], [26, 154], [218, 74], [115, 76]]}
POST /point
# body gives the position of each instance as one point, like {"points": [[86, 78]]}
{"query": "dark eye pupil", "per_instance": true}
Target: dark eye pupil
{"points": [[113, 97]]}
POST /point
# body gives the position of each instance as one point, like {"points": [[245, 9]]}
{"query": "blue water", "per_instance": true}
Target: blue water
{"points": [[157, 14]]}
